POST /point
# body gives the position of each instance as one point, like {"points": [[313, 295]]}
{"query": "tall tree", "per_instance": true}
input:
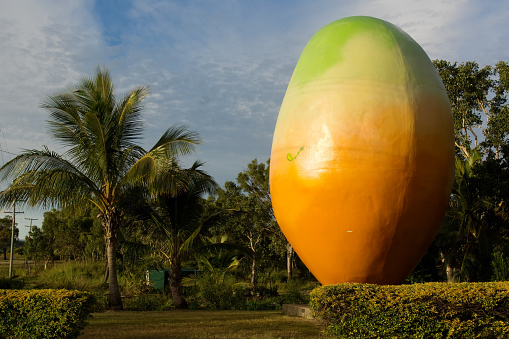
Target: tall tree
{"points": [[66, 231], [38, 246], [178, 220], [103, 161], [464, 229], [250, 229], [254, 181], [476, 218], [497, 112], [467, 86]]}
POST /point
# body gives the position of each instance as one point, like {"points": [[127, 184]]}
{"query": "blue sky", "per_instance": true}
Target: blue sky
{"points": [[219, 66]]}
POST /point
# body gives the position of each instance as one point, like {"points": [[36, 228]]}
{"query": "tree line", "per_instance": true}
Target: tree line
{"points": [[137, 208], [473, 241]]}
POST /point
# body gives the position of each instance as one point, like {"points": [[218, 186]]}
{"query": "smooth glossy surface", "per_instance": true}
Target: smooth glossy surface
{"points": [[363, 153]]}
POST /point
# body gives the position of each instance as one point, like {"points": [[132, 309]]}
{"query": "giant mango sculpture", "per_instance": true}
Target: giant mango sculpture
{"points": [[362, 158]]}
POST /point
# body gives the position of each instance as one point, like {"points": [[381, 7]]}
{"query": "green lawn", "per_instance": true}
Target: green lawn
{"points": [[199, 324]]}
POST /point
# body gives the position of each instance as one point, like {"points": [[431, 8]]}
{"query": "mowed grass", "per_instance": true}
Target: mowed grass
{"points": [[199, 324]]}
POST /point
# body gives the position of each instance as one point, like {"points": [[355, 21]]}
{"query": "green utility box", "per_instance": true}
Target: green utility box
{"points": [[157, 278]]}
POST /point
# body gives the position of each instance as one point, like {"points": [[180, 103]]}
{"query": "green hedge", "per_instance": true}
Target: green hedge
{"points": [[44, 313], [431, 310]]}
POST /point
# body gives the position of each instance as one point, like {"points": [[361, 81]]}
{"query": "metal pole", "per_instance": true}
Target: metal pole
{"points": [[12, 237]]}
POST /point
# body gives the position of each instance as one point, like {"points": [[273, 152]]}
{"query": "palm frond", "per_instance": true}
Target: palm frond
{"points": [[65, 123], [158, 168], [97, 156], [128, 118], [54, 188], [125, 166], [200, 180], [188, 242], [143, 171], [44, 177], [176, 141]]}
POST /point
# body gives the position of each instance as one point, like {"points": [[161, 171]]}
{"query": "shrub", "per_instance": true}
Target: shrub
{"points": [[44, 313], [262, 291], [220, 293], [500, 265], [132, 286], [293, 293], [431, 310]]}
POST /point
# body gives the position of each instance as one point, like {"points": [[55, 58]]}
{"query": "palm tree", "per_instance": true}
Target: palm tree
{"points": [[463, 232], [177, 217], [102, 163]]}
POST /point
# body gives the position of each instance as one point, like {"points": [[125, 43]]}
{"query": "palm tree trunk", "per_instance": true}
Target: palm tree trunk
{"points": [[175, 281], [111, 221], [114, 298], [106, 271]]}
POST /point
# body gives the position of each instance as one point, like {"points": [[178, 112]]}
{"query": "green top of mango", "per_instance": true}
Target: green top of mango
{"points": [[362, 47]]}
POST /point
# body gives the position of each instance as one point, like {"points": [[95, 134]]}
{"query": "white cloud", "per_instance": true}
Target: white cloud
{"points": [[429, 22], [456, 30], [44, 46]]}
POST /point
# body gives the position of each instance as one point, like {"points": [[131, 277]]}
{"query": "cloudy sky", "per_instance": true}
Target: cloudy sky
{"points": [[219, 66]]}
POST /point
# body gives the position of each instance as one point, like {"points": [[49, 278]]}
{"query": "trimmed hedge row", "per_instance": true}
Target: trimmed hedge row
{"points": [[44, 313], [430, 310]]}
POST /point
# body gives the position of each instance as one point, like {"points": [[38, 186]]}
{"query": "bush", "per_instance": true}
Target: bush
{"points": [[500, 265], [44, 313], [220, 293], [293, 293], [431, 310]]}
